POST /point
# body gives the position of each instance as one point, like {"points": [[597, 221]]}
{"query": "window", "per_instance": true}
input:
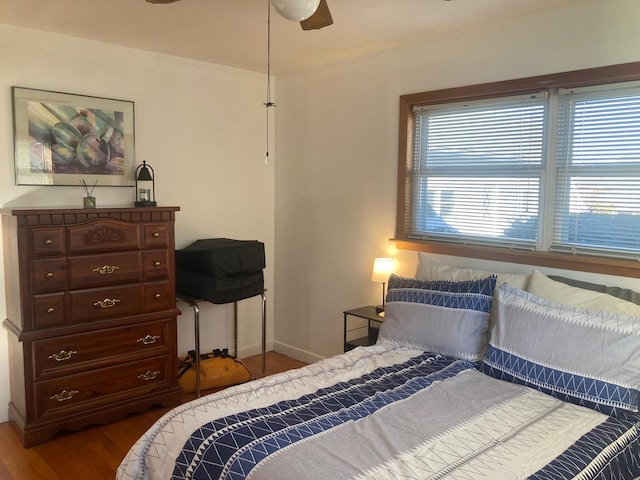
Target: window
{"points": [[477, 170], [597, 181], [513, 167]]}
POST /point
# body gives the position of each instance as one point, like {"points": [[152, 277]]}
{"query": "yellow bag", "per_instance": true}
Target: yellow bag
{"points": [[217, 369]]}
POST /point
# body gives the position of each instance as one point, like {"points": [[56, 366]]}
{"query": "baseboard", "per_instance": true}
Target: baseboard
{"points": [[251, 350], [297, 353], [285, 349]]}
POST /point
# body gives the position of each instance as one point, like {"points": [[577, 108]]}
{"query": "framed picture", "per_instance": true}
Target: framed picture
{"points": [[62, 138]]}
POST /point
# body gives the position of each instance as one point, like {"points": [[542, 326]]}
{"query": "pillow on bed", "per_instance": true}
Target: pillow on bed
{"points": [[542, 286], [581, 356], [450, 318], [621, 293], [430, 270]]}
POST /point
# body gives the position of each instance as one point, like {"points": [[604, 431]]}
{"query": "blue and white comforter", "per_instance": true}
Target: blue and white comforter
{"points": [[384, 413]]}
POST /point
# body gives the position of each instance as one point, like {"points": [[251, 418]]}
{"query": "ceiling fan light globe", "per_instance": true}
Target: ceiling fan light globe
{"points": [[296, 10]]}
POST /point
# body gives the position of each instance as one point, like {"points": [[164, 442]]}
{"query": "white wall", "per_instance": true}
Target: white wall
{"points": [[337, 152], [200, 126]]}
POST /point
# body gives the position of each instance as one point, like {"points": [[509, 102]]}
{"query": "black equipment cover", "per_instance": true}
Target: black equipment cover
{"points": [[220, 270]]}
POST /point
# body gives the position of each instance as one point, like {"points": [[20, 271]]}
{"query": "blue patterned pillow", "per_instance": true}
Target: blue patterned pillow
{"points": [[585, 357], [451, 318]]}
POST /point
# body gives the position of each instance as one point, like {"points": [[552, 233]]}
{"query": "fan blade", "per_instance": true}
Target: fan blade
{"points": [[321, 18], [162, 1]]}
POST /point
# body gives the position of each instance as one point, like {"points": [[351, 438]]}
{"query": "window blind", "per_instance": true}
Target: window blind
{"points": [[477, 171], [597, 207]]}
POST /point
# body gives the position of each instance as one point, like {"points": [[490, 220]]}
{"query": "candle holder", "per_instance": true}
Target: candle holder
{"points": [[145, 186]]}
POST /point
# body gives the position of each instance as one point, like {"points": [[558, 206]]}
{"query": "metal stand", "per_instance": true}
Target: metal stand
{"points": [[196, 321]]}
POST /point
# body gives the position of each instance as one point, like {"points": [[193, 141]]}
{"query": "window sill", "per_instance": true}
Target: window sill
{"points": [[585, 263]]}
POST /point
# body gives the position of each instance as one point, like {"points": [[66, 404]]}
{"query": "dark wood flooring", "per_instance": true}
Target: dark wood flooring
{"points": [[95, 453]]}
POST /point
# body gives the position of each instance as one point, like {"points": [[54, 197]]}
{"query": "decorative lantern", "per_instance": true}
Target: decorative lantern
{"points": [[145, 186]]}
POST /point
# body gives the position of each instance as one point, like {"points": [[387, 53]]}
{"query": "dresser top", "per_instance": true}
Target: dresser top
{"points": [[37, 217], [72, 210]]}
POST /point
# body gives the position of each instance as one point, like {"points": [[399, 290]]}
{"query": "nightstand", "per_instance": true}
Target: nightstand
{"points": [[368, 326]]}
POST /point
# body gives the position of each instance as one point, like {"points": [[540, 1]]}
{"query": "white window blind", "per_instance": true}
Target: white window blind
{"points": [[477, 171], [597, 207]]}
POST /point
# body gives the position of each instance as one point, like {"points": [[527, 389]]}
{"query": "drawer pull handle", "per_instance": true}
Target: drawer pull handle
{"points": [[157, 295], [107, 303], [51, 310], [48, 242], [49, 275], [149, 375], [157, 263], [156, 234], [106, 269], [63, 355], [64, 395], [148, 339]]}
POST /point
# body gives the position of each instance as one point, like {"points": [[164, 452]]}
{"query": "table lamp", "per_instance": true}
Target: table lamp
{"points": [[382, 269]]}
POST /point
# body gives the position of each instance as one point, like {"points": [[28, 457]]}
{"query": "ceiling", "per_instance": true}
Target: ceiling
{"points": [[234, 32]]}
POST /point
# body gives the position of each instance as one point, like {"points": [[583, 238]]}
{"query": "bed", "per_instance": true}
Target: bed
{"points": [[470, 379]]}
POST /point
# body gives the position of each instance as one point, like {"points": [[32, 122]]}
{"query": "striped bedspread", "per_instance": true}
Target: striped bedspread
{"points": [[382, 413]]}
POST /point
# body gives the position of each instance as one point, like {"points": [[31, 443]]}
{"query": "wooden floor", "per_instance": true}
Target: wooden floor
{"points": [[95, 453]]}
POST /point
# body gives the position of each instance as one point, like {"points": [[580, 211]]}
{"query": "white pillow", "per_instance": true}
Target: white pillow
{"points": [[430, 270], [542, 286]]}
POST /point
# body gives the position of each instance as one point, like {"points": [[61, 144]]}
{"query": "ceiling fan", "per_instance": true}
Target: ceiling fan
{"points": [[312, 14]]}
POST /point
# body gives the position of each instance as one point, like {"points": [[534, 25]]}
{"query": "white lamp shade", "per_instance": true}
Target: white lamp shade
{"points": [[296, 10], [382, 269]]}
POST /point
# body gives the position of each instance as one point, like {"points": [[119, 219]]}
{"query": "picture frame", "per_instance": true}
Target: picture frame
{"points": [[63, 139]]}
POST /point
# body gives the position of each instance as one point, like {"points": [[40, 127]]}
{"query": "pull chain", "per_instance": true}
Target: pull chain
{"points": [[268, 104]]}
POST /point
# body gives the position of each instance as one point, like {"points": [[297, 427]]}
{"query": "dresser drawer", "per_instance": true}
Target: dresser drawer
{"points": [[156, 264], [108, 302], [72, 353], [47, 241], [158, 296], [101, 387], [48, 275], [94, 270], [156, 235], [104, 235], [49, 309]]}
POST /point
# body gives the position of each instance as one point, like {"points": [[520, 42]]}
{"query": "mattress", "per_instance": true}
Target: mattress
{"points": [[385, 412]]}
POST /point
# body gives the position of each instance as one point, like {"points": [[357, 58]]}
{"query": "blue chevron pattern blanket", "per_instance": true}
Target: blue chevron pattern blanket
{"points": [[385, 413]]}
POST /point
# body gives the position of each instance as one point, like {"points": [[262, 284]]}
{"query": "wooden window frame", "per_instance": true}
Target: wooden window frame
{"points": [[574, 79]]}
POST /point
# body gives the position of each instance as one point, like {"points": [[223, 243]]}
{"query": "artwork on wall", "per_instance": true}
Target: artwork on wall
{"points": [[61, 139]]}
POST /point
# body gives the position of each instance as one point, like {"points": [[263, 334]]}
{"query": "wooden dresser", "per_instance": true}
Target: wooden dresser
{"points": [[91, 315]]}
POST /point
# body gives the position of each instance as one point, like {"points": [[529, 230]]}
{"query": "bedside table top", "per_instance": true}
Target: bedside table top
{"points": [[368, 312]]}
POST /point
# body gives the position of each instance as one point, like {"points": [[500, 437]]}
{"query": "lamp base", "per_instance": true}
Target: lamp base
{"points": [[145, 204]]}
